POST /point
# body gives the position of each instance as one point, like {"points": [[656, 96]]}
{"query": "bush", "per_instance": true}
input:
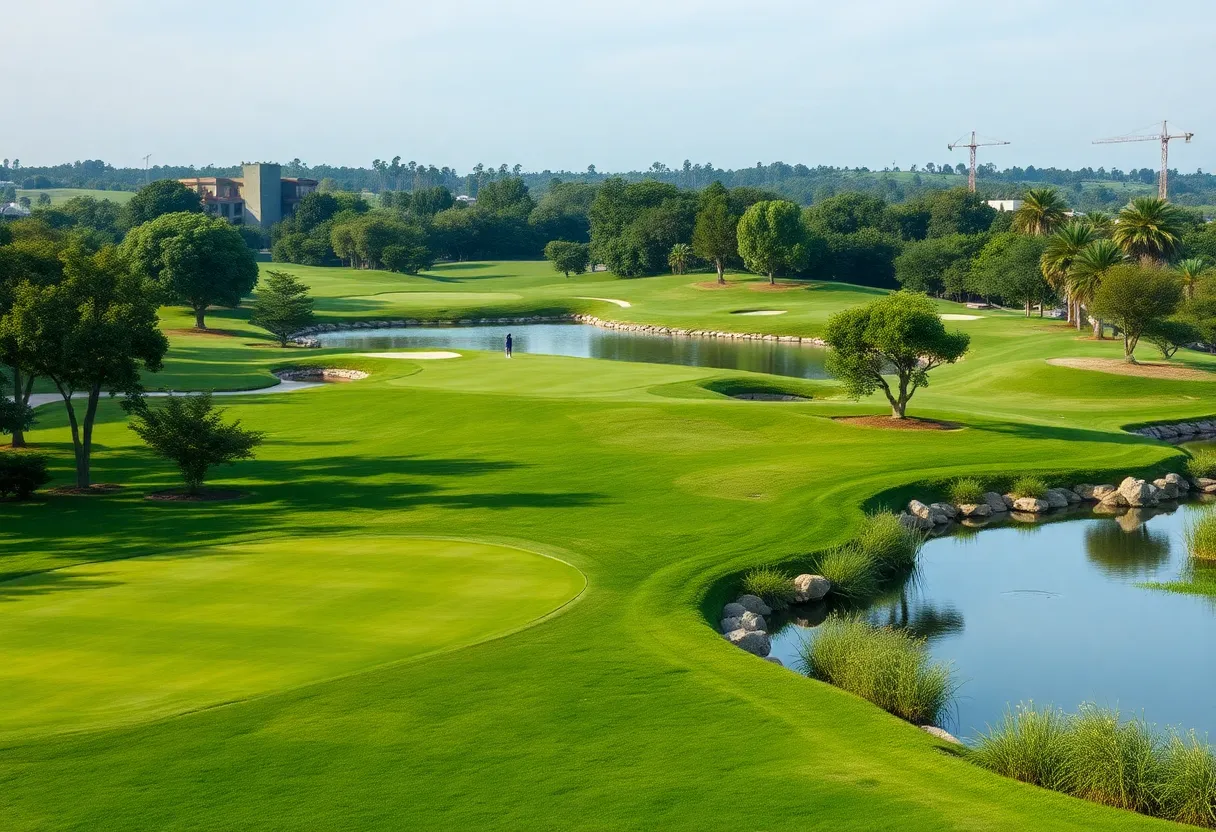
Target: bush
{"points": [[1201, 536], [890, 668], [1110, 761], [773, 585], [1202, 463], [1186, 789], [1029, 745], [891, 545], [852, 571], [966, 491], [1028, 487], [21, 474]]}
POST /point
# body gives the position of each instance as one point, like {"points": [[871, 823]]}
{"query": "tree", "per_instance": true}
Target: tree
{"points": [[1172, 334], [1008, 266], [714, 231], [937, 264], [282, 306], [1191, 272], [1135, 299], [91, 332], [849, 213], [44, 200], [679, 258], [164, 196], [1086, 273], [957, 211], [1149, 229], [634, 225], [16, 416], [771, 237], [196, 260], [189, 432], [1062, 249], [568, 257], [1041, 212], [898, 335]]}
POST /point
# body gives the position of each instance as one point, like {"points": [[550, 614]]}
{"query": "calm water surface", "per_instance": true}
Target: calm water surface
{"points": [[1053, 613], [585, 341]]}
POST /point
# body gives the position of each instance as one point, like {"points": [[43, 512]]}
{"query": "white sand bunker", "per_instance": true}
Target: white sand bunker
{"points": [[422, 355], [624, 304], [757, 312], [950, 316]]}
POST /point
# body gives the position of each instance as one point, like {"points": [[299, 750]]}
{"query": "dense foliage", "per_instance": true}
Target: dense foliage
{"points": [[282, 306]]}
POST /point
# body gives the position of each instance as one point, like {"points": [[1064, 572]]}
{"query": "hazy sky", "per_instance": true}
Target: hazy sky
{"points": [[616, 83]]}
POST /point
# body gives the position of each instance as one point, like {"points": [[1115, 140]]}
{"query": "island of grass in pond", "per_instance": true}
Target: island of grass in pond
{"points": [[1055, 612]]}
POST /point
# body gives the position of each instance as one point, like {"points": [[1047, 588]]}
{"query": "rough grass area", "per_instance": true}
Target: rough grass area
{"points": [[775, 586], [966, 491], [1202, 463], [1028, 486], [1201, 536]]}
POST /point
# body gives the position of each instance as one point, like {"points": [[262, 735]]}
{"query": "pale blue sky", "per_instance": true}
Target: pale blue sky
{"points": [[615, 83]]}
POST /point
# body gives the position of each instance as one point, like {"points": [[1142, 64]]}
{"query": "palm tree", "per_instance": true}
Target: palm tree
{"points": [[1149, 229], [1062, 248], [1192, 270], [1088, 268], [679, 258], [1042, 211], [1101, 222]]}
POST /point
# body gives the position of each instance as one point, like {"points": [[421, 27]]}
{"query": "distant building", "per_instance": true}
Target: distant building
{"points": [[1005, 204], [13, 211], [262, 196], [468, 201]]}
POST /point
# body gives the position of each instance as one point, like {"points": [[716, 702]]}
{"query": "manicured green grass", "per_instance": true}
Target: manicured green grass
{"points": [[626, 709], [61, 195]]}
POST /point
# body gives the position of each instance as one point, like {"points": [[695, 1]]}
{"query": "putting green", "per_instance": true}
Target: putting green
{"points": [[126, 640]]}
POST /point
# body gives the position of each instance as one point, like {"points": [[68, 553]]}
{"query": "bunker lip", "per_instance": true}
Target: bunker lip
{"points": [[954, 316], [318, 374], [624, 304], [759, 312], [418, 355]]}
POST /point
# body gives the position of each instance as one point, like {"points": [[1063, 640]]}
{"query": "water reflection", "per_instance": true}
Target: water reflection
{"points": [[1127, 547], [781, 358]]}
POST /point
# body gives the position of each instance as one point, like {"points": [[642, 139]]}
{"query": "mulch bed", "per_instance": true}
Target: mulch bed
{"points": [[712, 284], [214, 495], [95, 490], [775, 287], [888, 423]]}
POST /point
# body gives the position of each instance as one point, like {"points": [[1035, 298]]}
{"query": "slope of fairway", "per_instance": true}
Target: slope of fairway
{"points": [[126, 640]]}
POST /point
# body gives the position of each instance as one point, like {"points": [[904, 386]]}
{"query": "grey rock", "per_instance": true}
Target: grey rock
{"points": [[1100, 492], [911, 521], [978, 510], [728, 624], [1008, 498], [811, 588], [1031, 505], [733, 610], [754, 603], [1055, 498], [753, 641], [774, 660], [1167, 489], [751, 621], [1180, 482], [944, 508], [918, 509], [1138, 492], [941, 734], [1113, 499], [995, 502]]}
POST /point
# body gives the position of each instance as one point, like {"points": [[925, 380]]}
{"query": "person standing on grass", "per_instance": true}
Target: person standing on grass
{"points": [[509, 345]]}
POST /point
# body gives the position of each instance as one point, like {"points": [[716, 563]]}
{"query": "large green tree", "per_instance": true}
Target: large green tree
{"points": [[164, 196], [634, 225], [1150, 229], [900, 335], [714, 232], [1009, 267], [282, 305], [92, 332], [938, 265], [196, 260], [568, 257], [1135, 298], [771, 237]]}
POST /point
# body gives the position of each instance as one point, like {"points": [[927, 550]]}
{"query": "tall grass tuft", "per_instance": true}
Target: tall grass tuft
{"points": [[1202, 463], [1111, 761], [1029, 745], [891, 668], [1028, 487], [852, 571], [891, 545], [966, 491], [775, 586], [1186, 788], [1200, 536]]}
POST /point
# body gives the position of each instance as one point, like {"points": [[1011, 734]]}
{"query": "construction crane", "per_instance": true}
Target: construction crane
{"points": [[147, 159], [1164, 137], [972, 145]]}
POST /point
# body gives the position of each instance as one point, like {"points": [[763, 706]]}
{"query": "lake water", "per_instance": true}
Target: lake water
{"points": [[586, 341], [1052, 612]]}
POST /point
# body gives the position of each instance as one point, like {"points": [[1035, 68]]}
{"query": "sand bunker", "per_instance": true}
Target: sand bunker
{"points": [[950, 316], [760, 312], [423, 355], [1118, 367], [624, 304]]}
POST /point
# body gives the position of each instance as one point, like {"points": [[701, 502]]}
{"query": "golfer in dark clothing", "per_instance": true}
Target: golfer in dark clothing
{"points": [[509, 344]]}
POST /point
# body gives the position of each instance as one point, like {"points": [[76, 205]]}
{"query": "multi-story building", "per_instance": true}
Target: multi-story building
{"points": [[262, 196]]}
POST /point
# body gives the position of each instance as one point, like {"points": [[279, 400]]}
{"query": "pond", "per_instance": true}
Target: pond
{"points": [[782, 358], [1055, 612]]}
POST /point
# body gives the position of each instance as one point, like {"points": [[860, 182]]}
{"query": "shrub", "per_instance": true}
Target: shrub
{"points": [[1201, 536], [891, 545], [852, 571], [1110, 761], [1028, 487], [891, 668], [1029, 745], [775, 586], [21, 474], [1202, 463], [1186, 787], [966, 491]]}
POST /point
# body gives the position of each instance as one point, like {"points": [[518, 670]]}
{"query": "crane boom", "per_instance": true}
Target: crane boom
{"points": [[1165, 137], [972, 145]]}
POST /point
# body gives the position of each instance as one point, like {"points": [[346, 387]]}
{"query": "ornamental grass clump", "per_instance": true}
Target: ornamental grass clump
{"points": [[852, 571], [1028, 487], [966, 491], [775, 586], [1029, 745], [1111, 761], [890, 668], [1202, 463], [1186, 787], [892, 546], [1200, 536]]}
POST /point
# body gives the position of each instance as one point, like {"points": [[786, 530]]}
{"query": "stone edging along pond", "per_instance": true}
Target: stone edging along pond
{"points": [[304, 339], [1179, 431]]}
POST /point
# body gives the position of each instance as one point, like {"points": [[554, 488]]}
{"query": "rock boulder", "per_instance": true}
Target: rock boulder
{"points": [[1055, 498], [733, 610], [1138, 492], [753, 603], [978, 510], [1031, 505], [753, 641], [751, 621], [995, 502], [811, 588]]}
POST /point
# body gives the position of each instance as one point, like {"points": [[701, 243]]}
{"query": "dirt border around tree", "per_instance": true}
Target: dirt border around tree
{"points": [[1144, 369], [887, 423], [212, 495], [98, 489], [775, 287]]}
